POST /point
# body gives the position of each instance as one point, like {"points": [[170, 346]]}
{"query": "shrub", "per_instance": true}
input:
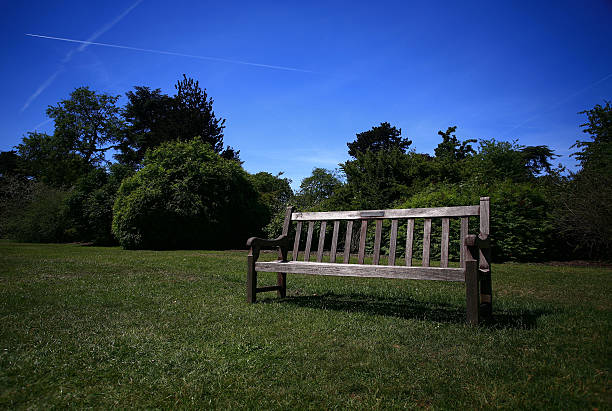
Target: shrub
{"points": [[33, 212], [187, 196]]}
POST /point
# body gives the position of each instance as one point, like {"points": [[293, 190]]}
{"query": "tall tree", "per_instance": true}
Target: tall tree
{"points": [[154, 118], [87, 124], [194, 115], [148, 114], [379, 138]]}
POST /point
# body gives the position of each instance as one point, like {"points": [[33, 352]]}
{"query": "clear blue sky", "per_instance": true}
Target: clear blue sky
{"points": [[505, 70]]}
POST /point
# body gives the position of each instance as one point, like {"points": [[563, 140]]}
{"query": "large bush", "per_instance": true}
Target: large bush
{"points": [[187, 196]]}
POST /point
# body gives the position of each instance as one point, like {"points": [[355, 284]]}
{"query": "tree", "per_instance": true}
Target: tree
{"points": [[50, 160], [87, 124], [148, 114], [451, 148], [316, 188], [154, 118], [187, 196], [383, 137], [584, 216], [9, 163], [596, 154]]}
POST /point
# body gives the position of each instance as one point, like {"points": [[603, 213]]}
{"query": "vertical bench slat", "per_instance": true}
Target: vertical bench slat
{"points": [[308, 241], [296, 242], [444, 245], [426, 241], [377, 239], [486, 297], [393, 242], [409, 241], [463, 233], [347, 241], [321, 241], [362, 241], [334, 244]]}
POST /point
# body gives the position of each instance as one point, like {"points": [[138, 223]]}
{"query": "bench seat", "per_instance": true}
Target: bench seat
{"points": [[362, 270]]}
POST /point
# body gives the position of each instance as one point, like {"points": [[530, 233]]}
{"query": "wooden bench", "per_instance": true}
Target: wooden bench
{"points": [[475, 253]]}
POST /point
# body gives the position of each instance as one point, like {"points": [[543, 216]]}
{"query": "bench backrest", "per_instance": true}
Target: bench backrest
{"points": [[397, 217]]}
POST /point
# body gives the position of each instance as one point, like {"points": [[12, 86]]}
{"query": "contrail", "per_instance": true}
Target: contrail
{"points": [[563, 100], [42, 88], [170, 53], [68, 56]]}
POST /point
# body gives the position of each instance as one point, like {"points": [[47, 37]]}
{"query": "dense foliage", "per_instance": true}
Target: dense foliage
{"points": [[186, 196]]}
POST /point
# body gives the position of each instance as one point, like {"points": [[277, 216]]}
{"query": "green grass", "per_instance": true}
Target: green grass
{"points": [[101, 327]]}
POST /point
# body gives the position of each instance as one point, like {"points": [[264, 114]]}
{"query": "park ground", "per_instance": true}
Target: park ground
{"points": [[104, 327]]}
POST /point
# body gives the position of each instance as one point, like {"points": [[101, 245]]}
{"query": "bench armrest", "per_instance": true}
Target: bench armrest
{"points": [[481, 241], [256, 244]]}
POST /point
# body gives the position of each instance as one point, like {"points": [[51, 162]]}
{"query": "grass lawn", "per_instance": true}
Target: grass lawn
{"points": [[103, 327]]}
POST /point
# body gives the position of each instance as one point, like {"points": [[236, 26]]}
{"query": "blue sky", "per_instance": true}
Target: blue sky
{"points": [[504, 70]]}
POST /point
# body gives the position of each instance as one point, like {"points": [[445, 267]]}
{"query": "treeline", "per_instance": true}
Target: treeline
{"points": [[174, 184]]}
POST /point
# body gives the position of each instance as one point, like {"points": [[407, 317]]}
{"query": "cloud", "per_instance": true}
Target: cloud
{"points": [[69, 55]]}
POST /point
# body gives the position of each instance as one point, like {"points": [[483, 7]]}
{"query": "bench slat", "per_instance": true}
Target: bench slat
{"points": [[334, 244], [426, 241], [362, 241], [347, 241], [461, 211], [359, 270], [393, 242], [463, 233], [409, 241], [377, 239], [444, 244], [321, 241], [308, 241], [296, 242]]}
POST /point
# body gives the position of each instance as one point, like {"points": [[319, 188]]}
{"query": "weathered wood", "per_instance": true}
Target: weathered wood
{"points": [[426, 241], [486, 294], [347, 241], [362, 270], [251, 278], [281, 278], [296, 243], [471, 291], [444, 243], [393, 242], [392, 213], [409, 240], [321, 241], [377, 239], [472, 240], [362, 241], [475, 252], [462, 235], [308, 241], [334, 244]]}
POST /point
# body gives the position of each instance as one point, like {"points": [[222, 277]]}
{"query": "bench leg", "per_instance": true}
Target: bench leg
{"points": [[486, 292], [251, 280], [471, 292], [281, 282]]}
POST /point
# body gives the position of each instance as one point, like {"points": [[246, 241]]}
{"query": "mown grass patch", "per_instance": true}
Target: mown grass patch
{"points": [[103, 327]]}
